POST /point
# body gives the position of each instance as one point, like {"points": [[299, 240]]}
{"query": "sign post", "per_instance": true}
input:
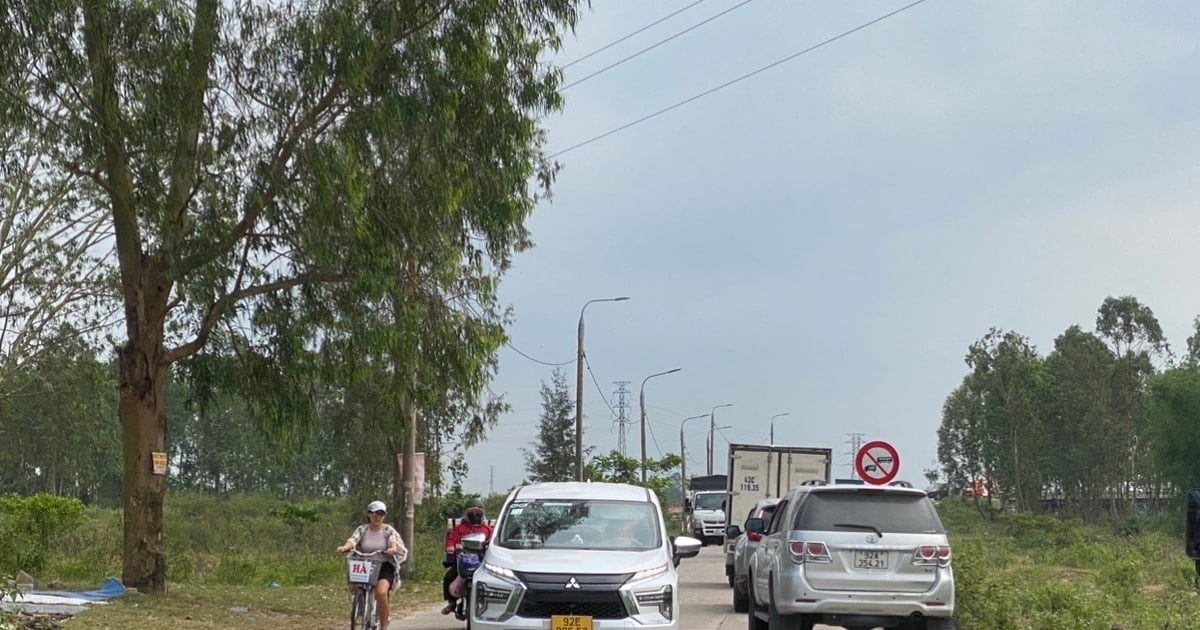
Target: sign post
{"points": [[877, 462]]}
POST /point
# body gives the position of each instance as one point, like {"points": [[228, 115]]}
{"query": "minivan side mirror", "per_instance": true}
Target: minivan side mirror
{"points": [[684, 547], [1192, 520], [756, 526], [733, 531]]}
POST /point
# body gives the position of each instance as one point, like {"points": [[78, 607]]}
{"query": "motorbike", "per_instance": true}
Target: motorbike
{"points": [[468, 560]]}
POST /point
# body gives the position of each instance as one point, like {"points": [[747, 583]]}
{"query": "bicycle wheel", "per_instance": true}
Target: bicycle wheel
{"points": [[358, 609], [369, 619]]}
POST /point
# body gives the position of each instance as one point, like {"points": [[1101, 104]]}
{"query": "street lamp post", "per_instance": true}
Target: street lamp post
{"points": [[683, 458], [712, 426], [778, 415], [771, 451], [579, 388], [642, 404]]}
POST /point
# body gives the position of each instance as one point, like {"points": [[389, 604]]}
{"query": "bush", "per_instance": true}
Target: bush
{"points": [[30, 526]]}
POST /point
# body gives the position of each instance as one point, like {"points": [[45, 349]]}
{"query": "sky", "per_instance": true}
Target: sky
{"points": [[827, 237]]}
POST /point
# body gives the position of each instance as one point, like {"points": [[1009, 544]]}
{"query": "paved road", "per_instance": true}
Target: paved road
{"points": [[704, 589]]}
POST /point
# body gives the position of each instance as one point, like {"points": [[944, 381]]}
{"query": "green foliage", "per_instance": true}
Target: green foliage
{"points": [[616, 468], [552, 456], [1119, 432], [1027, 572], [30, 528], [296, 515]]}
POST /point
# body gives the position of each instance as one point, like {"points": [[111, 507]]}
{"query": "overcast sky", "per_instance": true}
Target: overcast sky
{"points": [[827, 237]]}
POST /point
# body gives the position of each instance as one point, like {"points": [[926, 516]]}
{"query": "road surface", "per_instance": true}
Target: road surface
{"points": [[707, 600]]}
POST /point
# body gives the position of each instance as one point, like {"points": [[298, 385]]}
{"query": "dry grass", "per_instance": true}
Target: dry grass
{"points": [[206, 606]]}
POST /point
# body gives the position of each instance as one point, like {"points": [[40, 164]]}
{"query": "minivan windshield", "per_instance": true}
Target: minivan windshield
{"points": [[579, 523]]}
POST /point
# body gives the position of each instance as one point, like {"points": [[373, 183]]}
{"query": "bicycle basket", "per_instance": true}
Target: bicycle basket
{"points": [[362, 570]]}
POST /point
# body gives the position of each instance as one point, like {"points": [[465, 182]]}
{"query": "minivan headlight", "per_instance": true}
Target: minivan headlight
{"points": [[646, 574], [662, 598], [495, 569]]}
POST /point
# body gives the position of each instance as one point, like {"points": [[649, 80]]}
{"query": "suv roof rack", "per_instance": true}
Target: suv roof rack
{"points": [[900, 484], [814, 482]]}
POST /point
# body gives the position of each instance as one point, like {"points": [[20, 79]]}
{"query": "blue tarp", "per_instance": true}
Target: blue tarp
{"points": [[111, 588]]}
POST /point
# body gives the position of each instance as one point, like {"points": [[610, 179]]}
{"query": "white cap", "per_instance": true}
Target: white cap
{"points": [[376, 506]]}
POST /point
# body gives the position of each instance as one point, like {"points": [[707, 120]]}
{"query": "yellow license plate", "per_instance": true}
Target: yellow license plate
{"points": [[561, 622]]}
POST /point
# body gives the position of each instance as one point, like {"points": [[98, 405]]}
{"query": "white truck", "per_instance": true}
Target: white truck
{"points": [[764, 471], [705, 507]]}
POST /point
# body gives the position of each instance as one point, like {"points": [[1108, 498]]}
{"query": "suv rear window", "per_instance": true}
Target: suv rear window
{"points": [[890, 512]]}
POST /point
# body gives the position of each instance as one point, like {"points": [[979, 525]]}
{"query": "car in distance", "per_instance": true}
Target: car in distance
{"points": [[568, 555], [856, 556], [744, 545]]}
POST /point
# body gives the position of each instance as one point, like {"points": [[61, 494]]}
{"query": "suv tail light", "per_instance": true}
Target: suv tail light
{"points": [[753, 537], [809, 551], [929, 555]]}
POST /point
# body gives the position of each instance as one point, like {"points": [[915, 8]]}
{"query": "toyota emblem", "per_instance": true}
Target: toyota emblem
{"points": [[872, 538]]}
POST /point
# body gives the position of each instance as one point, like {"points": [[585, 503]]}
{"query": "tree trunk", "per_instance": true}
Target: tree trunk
{"points": [[143, 430]]}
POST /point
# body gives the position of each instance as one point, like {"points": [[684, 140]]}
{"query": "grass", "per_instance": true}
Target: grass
{"points": [[313, 607], [224, 557]]}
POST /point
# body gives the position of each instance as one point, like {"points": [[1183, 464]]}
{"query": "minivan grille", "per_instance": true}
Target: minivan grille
{"points": [[547, 594]]}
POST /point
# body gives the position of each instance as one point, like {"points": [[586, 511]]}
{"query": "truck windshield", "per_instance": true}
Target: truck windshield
{"points": [[709, 501]]}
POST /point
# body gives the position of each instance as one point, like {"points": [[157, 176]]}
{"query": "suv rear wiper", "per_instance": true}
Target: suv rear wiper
{"points": [[858, 526]]}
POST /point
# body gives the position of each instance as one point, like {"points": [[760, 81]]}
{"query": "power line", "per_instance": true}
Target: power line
{"points": [[737, 80], [618, 41], [653, 46], [514, 349], [593, 375]]}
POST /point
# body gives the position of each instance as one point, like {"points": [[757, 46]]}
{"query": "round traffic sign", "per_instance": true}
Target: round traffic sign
{"points": [[877, 462]]}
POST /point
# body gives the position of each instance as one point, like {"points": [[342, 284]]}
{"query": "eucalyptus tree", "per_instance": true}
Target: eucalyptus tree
{"points": [[1009, 377], [50, 253], [1087, 458], [266, 169], [1137, 341]]}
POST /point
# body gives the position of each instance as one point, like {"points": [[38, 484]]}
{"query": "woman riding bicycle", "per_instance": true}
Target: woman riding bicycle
{"points": [[377, 536]]}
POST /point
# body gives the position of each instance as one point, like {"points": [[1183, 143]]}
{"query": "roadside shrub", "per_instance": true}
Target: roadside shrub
{"points": [[30, 526], [1042, 531]]}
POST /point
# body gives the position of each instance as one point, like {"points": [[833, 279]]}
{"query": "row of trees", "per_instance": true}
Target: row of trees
{"points": [[1107, 421]]}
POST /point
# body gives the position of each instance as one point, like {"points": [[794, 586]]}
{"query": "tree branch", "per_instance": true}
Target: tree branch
{"points": [[219, 307]]}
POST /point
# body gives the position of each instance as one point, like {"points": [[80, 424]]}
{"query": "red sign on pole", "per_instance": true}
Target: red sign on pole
{"points": [[877, 462]]}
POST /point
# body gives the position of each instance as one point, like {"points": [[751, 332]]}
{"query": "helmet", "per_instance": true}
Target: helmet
{"points": [[376, 506], [474, 502]]}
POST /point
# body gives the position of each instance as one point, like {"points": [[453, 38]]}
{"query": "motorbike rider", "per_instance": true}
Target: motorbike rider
{"points": [[473, 522]]}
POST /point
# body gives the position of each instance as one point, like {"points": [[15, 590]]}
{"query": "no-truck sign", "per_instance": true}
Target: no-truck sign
{"points": [[877, 462]]}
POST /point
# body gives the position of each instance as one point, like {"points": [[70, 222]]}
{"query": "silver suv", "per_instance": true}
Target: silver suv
{"points": [[854, 556]]}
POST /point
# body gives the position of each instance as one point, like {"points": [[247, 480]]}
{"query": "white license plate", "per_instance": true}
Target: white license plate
{"points": [[870, 559]]}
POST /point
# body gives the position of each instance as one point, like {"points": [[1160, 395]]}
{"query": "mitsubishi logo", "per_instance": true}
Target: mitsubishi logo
{"points": [[572, 583]]}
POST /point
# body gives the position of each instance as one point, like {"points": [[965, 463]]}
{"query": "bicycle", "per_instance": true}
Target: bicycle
{"points": [[362, 571]]}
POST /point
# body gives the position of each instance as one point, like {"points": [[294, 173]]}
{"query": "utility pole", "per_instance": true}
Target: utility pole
{"points": [[579, 360], [622, 396], [491, 480], [855, 441]]}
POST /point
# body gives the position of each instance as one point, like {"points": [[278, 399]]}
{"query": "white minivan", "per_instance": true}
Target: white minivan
{"points": [[579, 556]]}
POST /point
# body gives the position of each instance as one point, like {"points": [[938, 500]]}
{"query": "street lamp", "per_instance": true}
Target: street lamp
{"points": [[642, 404], [683, 457], [712, 426], [579, 388], [778, 415], [771, 451]]}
